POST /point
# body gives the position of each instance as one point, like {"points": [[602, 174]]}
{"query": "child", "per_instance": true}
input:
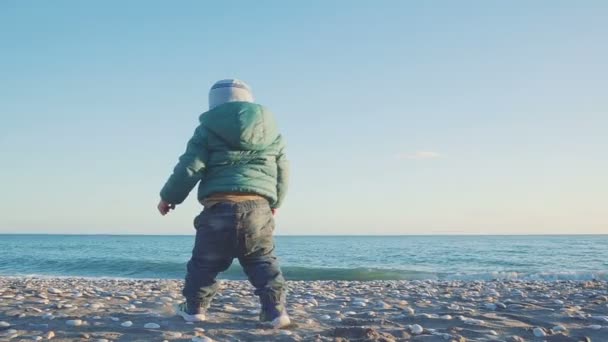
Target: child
{"points": [[238, 156]]}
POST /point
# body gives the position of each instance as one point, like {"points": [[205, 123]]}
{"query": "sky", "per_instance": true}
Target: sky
{"points": [[402, 117]]}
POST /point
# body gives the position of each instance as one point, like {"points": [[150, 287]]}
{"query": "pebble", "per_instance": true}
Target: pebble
{"points": [[126, 324], [199, 329], [151, 326], [416, 329], [54, 290], [230, 308], [446, 317], [10, 331], [539, 332], [471, 321], [173, 334], [600, 318], [558, 328], [595, 327], [201, 339], [49, 335], [453, 307], [101, 340], [285, 332], [408, 311], [325, 317], [4, 324], [96, 306], [74, 322], [115, 319], [490, 306]]}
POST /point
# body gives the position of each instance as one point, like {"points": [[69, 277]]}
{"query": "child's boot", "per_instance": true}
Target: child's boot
{"points": [[273, 311], [191, 312]]}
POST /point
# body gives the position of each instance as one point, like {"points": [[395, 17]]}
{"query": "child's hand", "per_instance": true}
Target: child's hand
{"points": [[274, 211], [165, 207]]}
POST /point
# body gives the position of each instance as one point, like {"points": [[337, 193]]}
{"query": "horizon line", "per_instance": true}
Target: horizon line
{"points": [[323, 235]]}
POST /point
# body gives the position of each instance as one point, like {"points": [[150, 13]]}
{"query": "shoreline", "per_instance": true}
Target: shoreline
{"points": [[105, 309]]}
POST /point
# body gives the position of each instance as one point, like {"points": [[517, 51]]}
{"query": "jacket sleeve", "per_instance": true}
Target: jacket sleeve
{"points": [[188, 171], [282, 177]]}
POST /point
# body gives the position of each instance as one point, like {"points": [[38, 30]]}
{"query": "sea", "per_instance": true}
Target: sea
{"points": [[363, 258]]}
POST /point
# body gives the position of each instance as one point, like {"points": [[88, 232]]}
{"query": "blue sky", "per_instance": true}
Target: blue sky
{"points": [[402, 117]]}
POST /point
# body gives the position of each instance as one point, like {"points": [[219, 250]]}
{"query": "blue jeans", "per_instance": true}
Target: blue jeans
{"points": [[226, 231]]}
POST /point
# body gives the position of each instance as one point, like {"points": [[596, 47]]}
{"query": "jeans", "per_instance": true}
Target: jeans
{"points": [[226, 231]]}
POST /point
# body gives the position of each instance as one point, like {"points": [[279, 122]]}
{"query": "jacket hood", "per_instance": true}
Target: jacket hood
{"points": [[242, 125]]}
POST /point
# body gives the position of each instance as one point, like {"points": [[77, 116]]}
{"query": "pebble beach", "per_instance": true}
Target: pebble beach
{"points": [[80, 309]]}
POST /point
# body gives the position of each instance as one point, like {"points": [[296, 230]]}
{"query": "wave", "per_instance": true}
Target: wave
{"points": [[149, 269]]}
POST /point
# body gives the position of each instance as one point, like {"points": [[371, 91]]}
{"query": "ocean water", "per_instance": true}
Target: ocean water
{"points": [[579, 257]]}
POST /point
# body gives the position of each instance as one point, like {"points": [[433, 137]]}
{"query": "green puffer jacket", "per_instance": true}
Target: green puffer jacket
{"points": [[236, 148]]}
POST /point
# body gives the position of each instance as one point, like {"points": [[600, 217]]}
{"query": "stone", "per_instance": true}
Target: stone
{"points": [[559, 328], [539, 332], [173, 334], [74, 322], [408, 311], [151, 326], [49, 335], [126, 324], [416, 329], [201, 339], [230, 308], [96, 306], [4, 324]]}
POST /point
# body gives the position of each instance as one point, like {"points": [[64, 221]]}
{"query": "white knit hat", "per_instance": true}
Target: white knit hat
{"points": [[229, 90]]}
